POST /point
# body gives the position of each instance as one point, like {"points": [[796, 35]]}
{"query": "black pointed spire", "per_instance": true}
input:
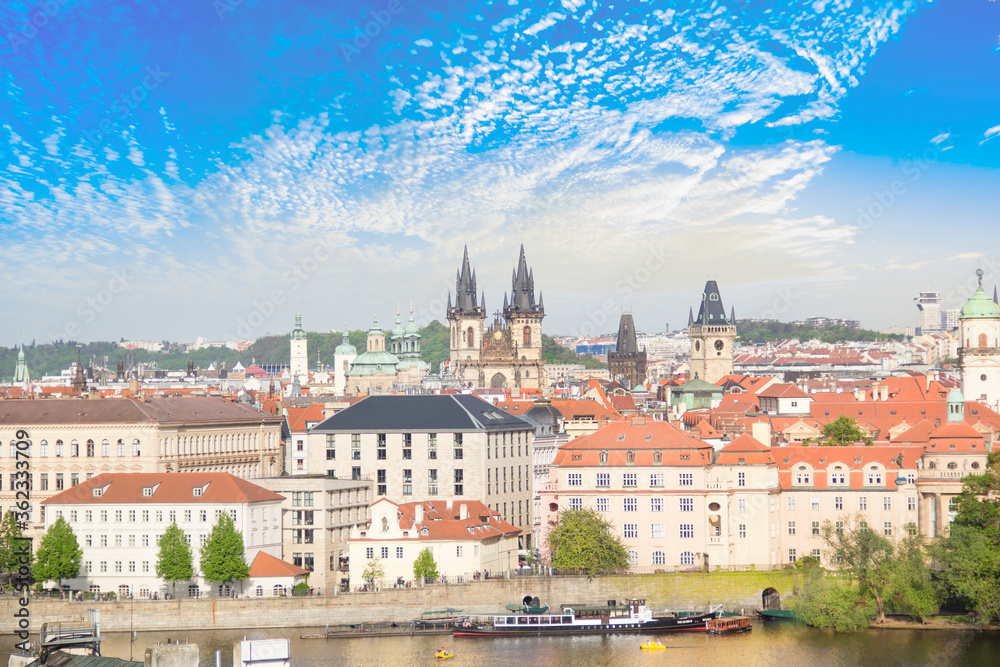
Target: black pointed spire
{"points": [[995, 294], [541, 302], [465, 286], [627, 343], [522, 297], [732, 315], [690, 316], [712, 312]]}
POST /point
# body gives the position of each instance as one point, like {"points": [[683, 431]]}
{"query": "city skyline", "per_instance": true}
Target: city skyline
{"points": [[200, 165]]}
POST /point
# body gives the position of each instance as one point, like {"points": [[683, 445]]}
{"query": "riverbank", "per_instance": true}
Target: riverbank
{"points": [[733, 590], [956, 622]]}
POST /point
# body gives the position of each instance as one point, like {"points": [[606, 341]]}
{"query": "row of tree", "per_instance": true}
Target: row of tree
{"points": [[59, 556]]}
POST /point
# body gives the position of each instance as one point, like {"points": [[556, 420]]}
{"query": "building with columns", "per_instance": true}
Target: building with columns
{"points": [[713, 335]]}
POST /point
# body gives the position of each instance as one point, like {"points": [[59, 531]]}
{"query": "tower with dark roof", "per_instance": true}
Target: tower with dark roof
{"points": [[712, 335], [299, 352], [466, 316], [627, 363], [509, 353]]}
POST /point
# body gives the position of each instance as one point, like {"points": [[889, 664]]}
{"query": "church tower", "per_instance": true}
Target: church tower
{"points": [[979, 354], [21, 375], [523, 314], [299, 357], [712, 337], [627, 364], [465, 323]]}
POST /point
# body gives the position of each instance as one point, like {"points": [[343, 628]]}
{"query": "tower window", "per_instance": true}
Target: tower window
{"points": [[470, 339], [527, 336]]}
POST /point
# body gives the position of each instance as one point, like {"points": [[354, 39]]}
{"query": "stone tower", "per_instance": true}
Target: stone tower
{"points": [[979, 354], [465, 323], [299, 365], [627, 363], [712, 337], [523, 314]]}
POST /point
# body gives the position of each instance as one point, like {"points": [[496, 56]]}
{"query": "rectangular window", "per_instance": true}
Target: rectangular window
{"points": [[686, 479], [631, 504], [791, 527], [874, 478], [399, 552], [803, 478], [72, 516], [838, 478], [741, 505], [355, 446], [911, 529], [380, 480], [743, 530], [88, 516], [686, 530], [815, 528], [118, 566], [629, 479], [630, 530], [369, 552], [602, 505], [838, 502], [576, 503], [459, 479], [432, 443], [331, 447], [657, 530], [187, 516], [791, 555], [814, 502], [687, 504], [74, 479], [911, 503], [44, 481], [131, 540], [741, 479], [603, 479], [458, 446], [296, 499], [432, 482], [407, 482], [574, 479], [104, 540], [862, 503], [791, 503], [656, 504], [380, 445], [887, 502], [656, 479], [145, 566], [887, 528]]}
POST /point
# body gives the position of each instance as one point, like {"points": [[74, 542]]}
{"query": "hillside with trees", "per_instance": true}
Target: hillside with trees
{"points": [[757, 332]]}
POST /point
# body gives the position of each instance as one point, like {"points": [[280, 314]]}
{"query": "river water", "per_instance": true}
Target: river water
{"points": [[771, 643]]}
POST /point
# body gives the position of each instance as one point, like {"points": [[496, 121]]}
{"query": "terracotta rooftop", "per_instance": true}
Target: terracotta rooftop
{"points": [[266, 565], [175, 487], [442, 523], [172, 410]]}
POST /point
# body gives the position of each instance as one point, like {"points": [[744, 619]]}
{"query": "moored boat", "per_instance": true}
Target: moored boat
{"points": [[612, 618], [729, 625], [777, 614]]}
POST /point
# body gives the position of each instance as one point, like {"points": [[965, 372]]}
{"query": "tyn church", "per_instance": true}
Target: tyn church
{"points": [[509, 353]]}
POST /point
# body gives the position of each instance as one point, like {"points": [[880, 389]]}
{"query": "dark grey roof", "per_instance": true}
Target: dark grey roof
{"points": [[712, 312], [63, 659], [448, 412], [627, 344]]}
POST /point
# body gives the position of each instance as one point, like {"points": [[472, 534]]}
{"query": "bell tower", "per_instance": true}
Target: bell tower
{"points": [[979, 354], [466, 316], [713, 336], [299, 361]]}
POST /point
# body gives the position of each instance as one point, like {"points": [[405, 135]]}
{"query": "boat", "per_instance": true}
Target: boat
{"points": [[529, 605], [631, 617], [777, 614], [652, 646], [444, 654], [729, 625]]}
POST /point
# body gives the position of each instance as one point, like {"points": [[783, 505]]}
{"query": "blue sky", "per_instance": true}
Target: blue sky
{"points": [[182, 169]]}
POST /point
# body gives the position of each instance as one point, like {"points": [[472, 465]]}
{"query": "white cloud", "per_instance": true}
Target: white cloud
{"points": [[941, 137], [968, 255], [424, 42], [990, 133]]}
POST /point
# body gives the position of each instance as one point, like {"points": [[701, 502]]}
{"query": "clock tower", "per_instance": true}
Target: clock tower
{"points": [[713, 336]]}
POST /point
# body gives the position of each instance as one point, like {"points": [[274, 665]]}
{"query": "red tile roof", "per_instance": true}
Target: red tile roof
{"points": [[266, 565], [641, 436], [856, 460], [745, 450], [299, 417], [174, 487], [783, 390], [443, 523]]}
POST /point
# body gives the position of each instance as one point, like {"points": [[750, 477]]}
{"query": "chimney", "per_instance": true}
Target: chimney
{"points": [[884, 391], [930, 378], [761, 431], [859, 394], [448, 504], [418, 514], [463, 511]]}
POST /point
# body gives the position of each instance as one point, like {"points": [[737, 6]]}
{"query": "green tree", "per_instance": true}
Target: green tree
{"points": [[583, 540], [174, 562], [10, 543], [424, 566], [374, 573], [893, 574], [969, 556], [58, 556], [222, 556], [829, 605], [844, 431]]}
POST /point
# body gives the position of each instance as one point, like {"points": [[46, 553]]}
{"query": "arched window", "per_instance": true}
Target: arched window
{"points": [[604, 456], [659, 558], [90, 449], [59, 447], [121, 447], [470, 338], [687, 558], [982, 340], [135, 447], [44, 444], [657, 456], [527, 336], [74, 448], [123, 591], [105, 448], [194, 591], [279, 590], [633, 558], [630, 456], [259, 591]]}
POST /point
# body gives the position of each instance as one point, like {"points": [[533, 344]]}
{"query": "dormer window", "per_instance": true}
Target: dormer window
{"points": [[621, 436], [657, 456], [577, 456], [649, 436], [147, 491], [424, 531], [604, 456], [98, 491], [630, 456], [742, 461], [197, 491]]}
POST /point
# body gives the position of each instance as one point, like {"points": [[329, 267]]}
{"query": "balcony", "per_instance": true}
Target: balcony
{"points": [[715, 540], [717, 485]]}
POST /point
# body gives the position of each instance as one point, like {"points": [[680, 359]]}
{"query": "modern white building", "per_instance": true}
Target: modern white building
{"points": [[118, 520], [464, 537], [431, 447]]}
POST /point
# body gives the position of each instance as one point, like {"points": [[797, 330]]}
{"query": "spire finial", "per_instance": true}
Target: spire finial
{"points": [[979, 274]]}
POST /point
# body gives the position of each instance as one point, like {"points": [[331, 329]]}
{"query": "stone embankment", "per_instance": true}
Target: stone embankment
{"points": [[734, 590]]}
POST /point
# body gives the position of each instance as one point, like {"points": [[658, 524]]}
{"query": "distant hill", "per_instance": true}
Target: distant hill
{"points": [[50, 359], [756, 333]]}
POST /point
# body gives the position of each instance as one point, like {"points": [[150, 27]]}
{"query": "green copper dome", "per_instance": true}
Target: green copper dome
{"points": [[980, 305], [345, 346]]}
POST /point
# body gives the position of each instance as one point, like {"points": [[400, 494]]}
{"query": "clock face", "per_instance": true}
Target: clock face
{"points": [[497, 335], [719, 345]]}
